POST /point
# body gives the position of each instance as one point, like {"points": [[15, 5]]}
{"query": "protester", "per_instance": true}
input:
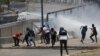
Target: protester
{"points": [[94, 33], [46, 35], [83, 32], [41, 33], [30, 37], [26, 39], [53, 36], [16, 38], [63, 37]]}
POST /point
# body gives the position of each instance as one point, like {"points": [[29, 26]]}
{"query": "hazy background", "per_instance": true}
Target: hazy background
{"points": [[72, 22]]}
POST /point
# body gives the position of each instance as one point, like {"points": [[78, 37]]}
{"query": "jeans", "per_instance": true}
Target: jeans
{"points": [[31, 39]]}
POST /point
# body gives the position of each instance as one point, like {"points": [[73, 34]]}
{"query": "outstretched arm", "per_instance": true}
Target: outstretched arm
{"points": [[81, 27]]}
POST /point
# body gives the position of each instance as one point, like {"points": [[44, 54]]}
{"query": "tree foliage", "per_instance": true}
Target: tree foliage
{"points": [[7, 2], [3, 1]]}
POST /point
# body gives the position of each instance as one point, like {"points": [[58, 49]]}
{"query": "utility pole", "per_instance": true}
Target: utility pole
{"points": [[0, 32], [8, 3], [27, 3], [42, 17]]}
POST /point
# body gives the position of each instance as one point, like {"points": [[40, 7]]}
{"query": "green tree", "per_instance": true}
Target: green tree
{"points": [[8, 2], [1, 3], [4, 2]]}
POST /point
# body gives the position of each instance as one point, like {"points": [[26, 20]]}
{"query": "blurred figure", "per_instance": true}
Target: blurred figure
{"points": [[94, 33], [46, 32], [83, 32], [16, 38], [53, 36], [30, 37], [63, 37], [41, 34]]}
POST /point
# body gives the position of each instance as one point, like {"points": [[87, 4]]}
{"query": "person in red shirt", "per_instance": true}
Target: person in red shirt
{"points": [[16, 38]]}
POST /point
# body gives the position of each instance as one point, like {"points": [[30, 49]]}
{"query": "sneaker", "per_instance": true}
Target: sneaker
{"points": [[93, 41], [82, 41]]}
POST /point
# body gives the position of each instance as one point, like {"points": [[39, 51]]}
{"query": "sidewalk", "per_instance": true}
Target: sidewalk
{"points": [[72, 43], [95, 52]]}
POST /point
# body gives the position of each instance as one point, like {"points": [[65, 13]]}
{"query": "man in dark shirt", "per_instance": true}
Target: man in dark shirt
{"points": [[53, 36], [30, 37], [94, 33], [83, 32]]}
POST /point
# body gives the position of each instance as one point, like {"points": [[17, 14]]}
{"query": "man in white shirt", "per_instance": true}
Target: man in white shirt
{"points": [[46, 35]]}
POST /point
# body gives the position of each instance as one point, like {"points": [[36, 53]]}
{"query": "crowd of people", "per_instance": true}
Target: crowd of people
{"points": [[48, 36]]}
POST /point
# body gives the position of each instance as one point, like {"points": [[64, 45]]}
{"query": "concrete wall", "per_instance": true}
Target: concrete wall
{"points": [[7, 31], [60, 1]]}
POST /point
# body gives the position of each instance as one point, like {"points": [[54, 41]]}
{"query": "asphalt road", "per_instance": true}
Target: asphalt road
{"points": [[31, 52]]}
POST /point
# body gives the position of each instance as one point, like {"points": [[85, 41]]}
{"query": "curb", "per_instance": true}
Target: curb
{"points": [[49, 47]]}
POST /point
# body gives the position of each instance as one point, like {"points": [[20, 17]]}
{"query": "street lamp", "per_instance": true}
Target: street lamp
{"points": [[42, 18]]}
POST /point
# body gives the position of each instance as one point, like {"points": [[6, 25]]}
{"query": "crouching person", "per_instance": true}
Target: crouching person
{"points": [[63, 40], [16, 38], [31, 37]]}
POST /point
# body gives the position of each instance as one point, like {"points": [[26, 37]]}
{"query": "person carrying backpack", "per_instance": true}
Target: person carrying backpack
{"points": [[63, 40], [30, 37]]}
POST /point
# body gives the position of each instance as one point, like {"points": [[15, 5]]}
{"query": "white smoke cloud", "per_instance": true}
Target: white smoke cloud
{"points": [[87, 15]]}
